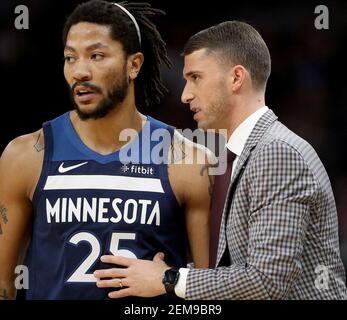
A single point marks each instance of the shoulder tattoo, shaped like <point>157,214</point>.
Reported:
<point>177,150</point>
<point>39,145</point>
<point>210,178</point>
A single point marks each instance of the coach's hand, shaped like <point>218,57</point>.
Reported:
<point>141,278</point>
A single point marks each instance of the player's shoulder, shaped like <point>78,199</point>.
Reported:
<point>23,148</point>
<point>21,162</point>
<point>185,151</point>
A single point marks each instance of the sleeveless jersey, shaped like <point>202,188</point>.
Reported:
<point>87,205</point>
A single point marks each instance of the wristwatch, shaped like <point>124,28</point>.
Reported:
<point>170,279</point>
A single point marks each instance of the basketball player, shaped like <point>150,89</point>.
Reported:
<point>67,184</point>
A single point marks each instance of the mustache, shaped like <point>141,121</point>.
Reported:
<point>86,84</point>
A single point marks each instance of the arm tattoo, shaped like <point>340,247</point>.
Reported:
<point>210,186</point>
<point>3,295</point>
<point>3,213</point>
<point>177,152</point>
<point>39,146</point>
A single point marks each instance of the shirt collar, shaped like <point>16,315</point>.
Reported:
<point>238,139</point>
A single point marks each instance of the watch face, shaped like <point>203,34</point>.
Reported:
<point>171,276</point>
<point>170,279</point>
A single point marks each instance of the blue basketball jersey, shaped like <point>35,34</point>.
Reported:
<point>87,205</point>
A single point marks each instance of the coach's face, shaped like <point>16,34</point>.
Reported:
<point>206,90</point>
<point>95,69</point>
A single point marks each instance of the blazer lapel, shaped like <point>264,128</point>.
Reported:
<point>258,131</point>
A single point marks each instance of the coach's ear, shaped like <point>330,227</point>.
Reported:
<point>236,77</point>
<point>135,62</point>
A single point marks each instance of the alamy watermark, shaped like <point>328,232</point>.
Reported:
<point>22,20</point>
<point>22,279</point>
<point>321,22</point>
<point>322,279</point>
<point>162,146</point>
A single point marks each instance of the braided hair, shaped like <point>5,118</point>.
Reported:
<point>149,87</point>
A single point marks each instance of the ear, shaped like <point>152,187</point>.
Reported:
<point>237,77</point>
<point>135,62</point>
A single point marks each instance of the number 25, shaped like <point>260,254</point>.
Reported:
<point>81,275</point>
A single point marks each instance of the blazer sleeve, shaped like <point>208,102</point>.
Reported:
<point>281,189</point>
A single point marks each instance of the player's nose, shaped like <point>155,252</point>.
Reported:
<point>82,72</point>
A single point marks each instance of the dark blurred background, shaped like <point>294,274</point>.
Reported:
<point>306,90</point>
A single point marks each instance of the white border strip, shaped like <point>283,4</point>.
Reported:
<point>103,182</point>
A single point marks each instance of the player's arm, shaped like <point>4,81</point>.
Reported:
<point>197,211</point>
<point>17,168</point>
<point>194,188</point>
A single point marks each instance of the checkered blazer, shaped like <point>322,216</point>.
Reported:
<point>280,231</point>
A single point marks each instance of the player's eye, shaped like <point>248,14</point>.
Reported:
<point>97,56</point>
<point>69,59</point>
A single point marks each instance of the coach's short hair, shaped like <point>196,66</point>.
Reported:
<point>235,42</point>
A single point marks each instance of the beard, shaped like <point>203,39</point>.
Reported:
<point>217,111</point>
<point>113,98</point>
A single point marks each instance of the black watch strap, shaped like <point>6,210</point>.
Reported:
<point>170,279</point>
